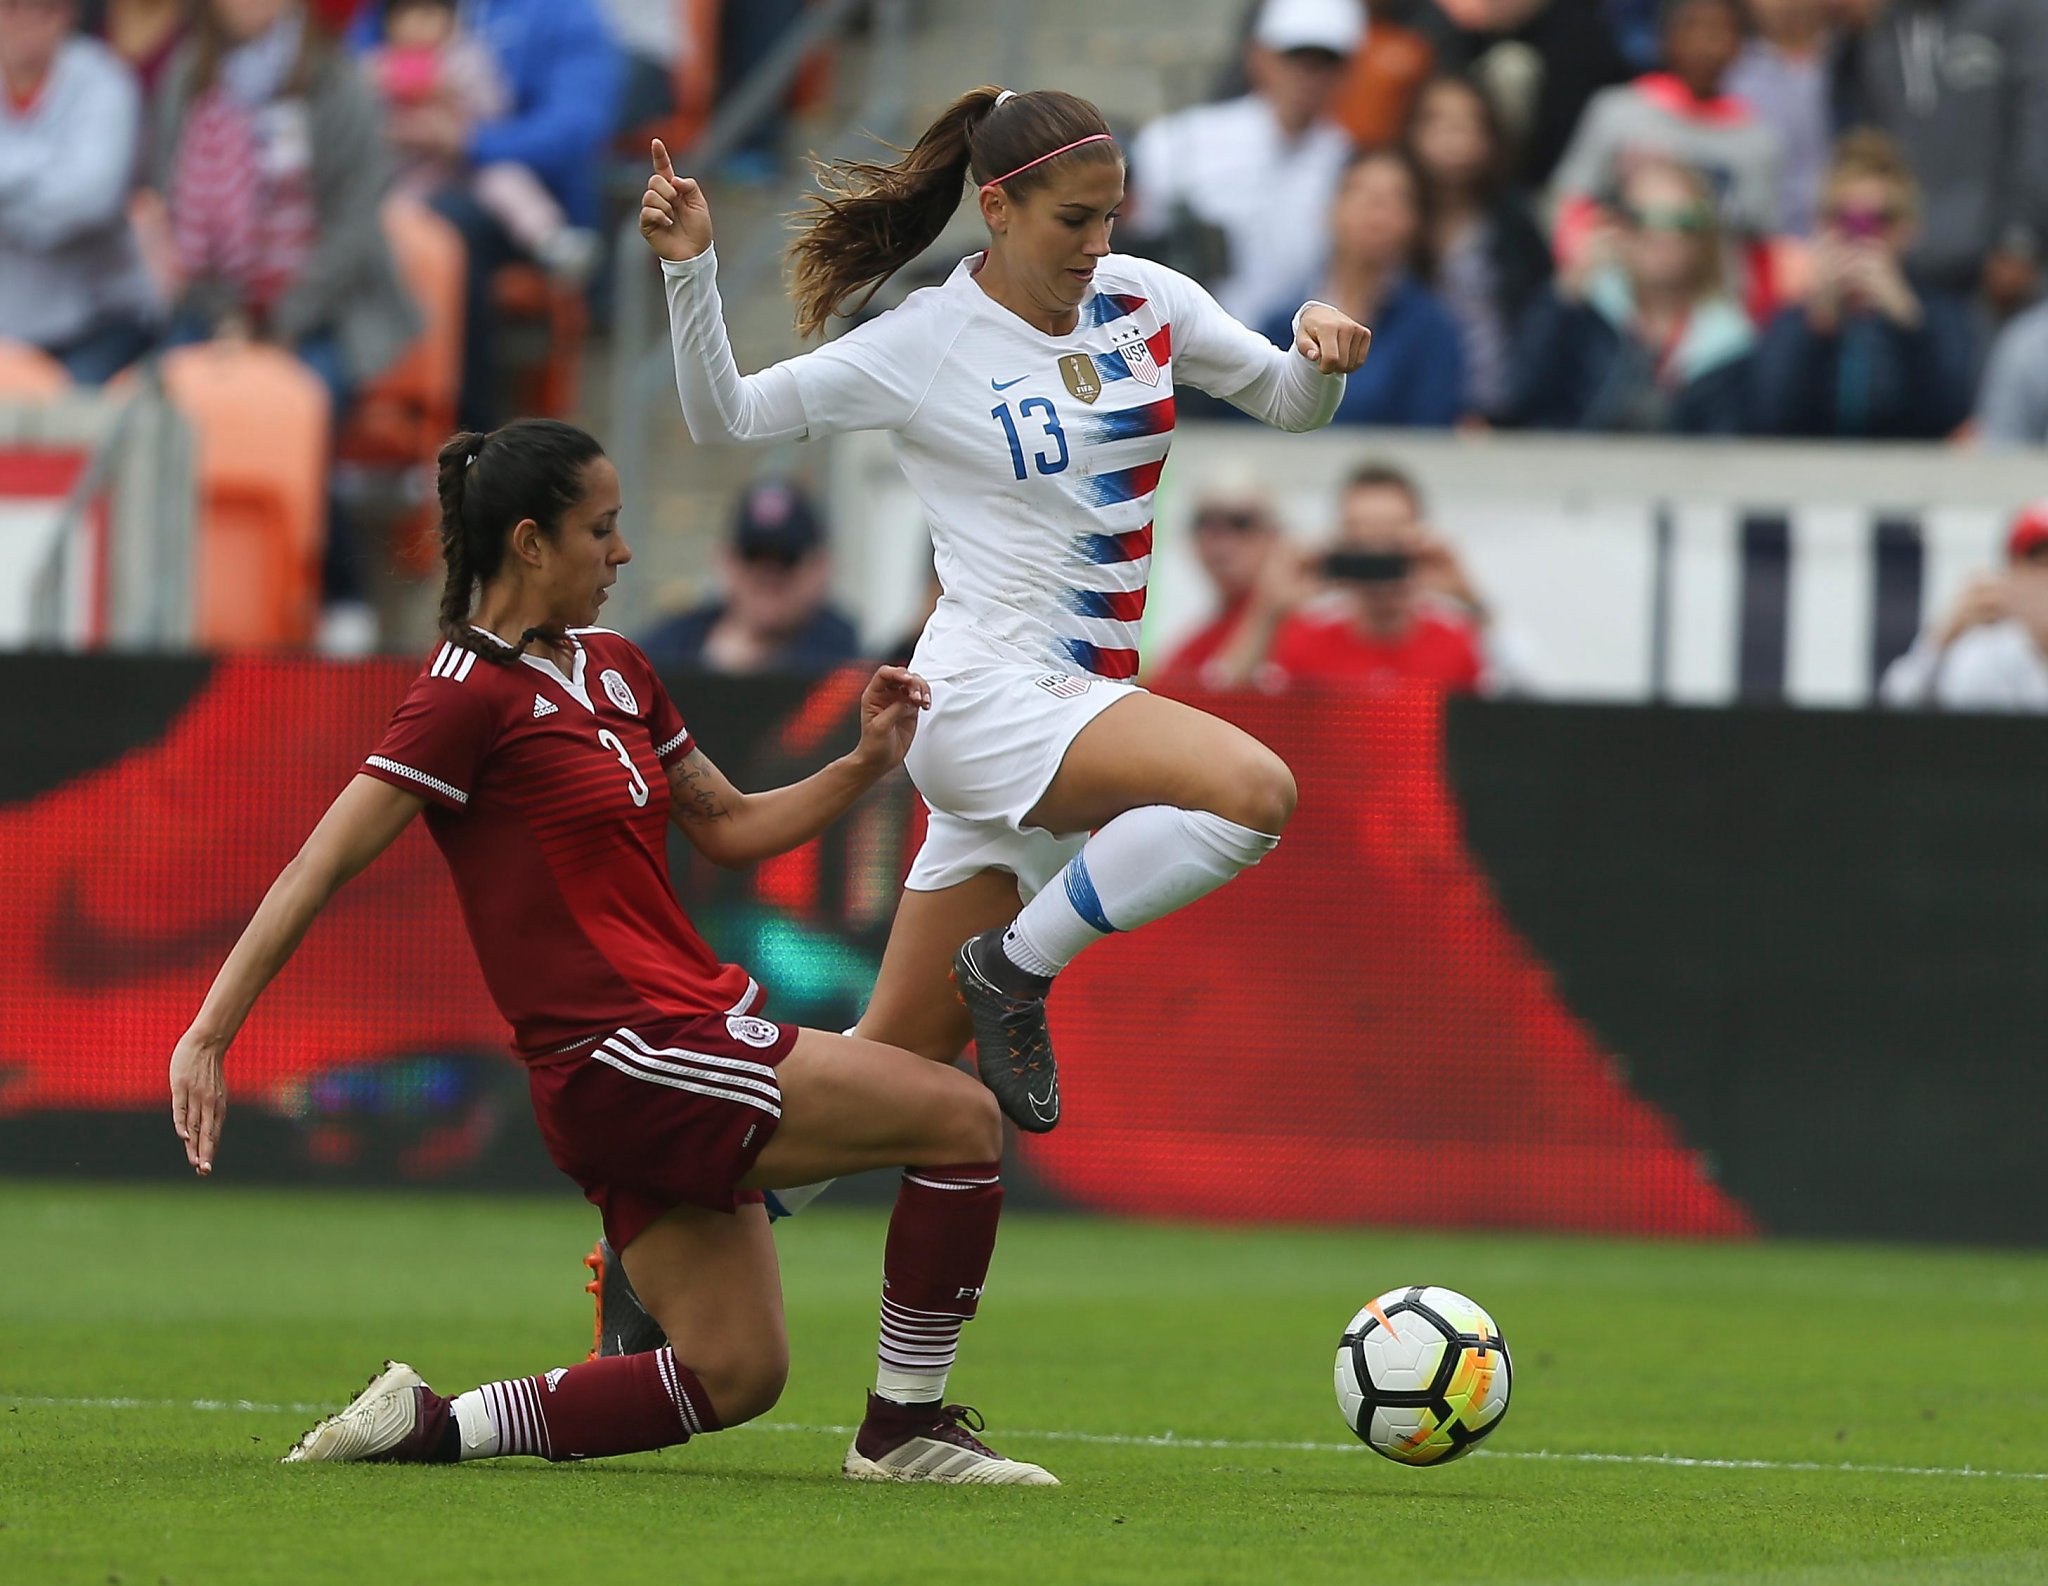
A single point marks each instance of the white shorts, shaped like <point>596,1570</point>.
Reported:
<point>983,757</point>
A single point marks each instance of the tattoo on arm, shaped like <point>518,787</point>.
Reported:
<point>693,784</point>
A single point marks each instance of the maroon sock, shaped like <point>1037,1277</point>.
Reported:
<point>623,1404</point>
<point>941,1237</point>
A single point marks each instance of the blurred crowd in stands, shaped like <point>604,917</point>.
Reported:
<point>1815,218</point>
<point>342,180</point>
<point>1801,218</point>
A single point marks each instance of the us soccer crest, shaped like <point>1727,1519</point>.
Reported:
<point>1130,341</point>
<point>1078,370</point>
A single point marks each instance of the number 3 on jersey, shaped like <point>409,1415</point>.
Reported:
<point>1048,463</point>
<point>611,741</point>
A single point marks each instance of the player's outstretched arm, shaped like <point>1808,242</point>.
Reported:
<point>358,826</point>
<point>720,405</point>
<point>729,827</point>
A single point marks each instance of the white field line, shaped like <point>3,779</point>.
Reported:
<point>1162,1440</point>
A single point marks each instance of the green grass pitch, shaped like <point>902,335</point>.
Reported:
<point>1844,1389</point>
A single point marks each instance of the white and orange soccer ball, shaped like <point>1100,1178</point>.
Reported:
<point>1423,1375</point>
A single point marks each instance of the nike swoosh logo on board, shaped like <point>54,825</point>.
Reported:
<point>1004,385</point>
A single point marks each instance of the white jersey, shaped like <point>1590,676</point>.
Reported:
<point>1036,456</point>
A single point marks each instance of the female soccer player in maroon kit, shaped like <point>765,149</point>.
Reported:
<point>549,760</point>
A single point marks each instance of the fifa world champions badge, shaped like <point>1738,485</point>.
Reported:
<point>1130,341</point>
<point>1077,369</point>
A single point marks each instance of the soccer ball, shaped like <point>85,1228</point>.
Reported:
<point>1422,1375</point>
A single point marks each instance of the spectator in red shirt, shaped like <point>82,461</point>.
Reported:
<point>1235,532</point>
<point>1388,603</point>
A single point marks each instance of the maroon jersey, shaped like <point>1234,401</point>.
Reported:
<point>547,793</point>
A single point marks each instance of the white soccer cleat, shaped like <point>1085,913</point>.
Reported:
<point>375,1424</point>
<point>938,1445</point>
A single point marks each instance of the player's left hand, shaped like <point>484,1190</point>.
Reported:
<point>1335,343</point>
<point>888,716</point>
<point>199,1099</point>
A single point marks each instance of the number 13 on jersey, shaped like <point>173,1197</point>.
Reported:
<point>1048,417</point>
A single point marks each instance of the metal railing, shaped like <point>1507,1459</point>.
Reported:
<point>140,457</point>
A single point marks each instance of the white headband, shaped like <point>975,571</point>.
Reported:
<point>1002,99</point>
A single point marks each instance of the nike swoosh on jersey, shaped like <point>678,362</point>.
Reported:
<point>1004,385</point>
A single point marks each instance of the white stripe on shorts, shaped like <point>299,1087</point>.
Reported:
<point>739,1065</point>
<point>608,1055</point>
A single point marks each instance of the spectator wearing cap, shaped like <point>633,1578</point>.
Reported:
<point>1258,171</point>
<point>1870,354</point>
<point>775,614</point>
<point>2012,407</point>
<point>71,277</point>
<point>1990,652</point>
<point>1234,532</point>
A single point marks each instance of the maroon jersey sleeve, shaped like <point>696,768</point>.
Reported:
<point>437,739</point>
<point>672,740</point>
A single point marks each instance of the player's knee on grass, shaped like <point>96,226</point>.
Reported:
<point>742,1380</point>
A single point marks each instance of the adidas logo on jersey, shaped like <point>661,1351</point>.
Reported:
<point>543,706</point>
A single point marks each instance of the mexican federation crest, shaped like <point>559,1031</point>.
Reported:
<point>1130,341</point>
<point>620,692</point>
<point>1078,370</point>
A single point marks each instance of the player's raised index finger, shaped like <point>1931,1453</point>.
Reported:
<point>663,165</point>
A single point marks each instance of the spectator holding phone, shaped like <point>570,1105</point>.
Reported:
<point>1990,653</point>
<point>1871,353</point>
<point>1389,603</point>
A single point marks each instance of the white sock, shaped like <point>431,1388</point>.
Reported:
<point>788,1202</point>
<point>476,1434</point>
<point>917,1353</point>
<point>1146,863</point>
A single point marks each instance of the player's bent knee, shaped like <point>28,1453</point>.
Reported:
<point>746,1385</point>
<point>1261,792</point>
<point>973,1130</point>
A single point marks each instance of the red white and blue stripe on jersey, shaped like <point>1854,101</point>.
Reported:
<point>1112,565</point>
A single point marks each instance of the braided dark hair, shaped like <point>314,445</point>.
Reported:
<point>530,468</point>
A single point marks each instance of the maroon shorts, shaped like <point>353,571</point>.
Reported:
<point>670,1113</point>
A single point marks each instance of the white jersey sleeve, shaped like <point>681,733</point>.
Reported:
<point>1215,353</point>
<point>872,378</point>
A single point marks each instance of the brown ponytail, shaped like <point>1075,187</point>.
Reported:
<point>868,220</point>
<point>530,468</point>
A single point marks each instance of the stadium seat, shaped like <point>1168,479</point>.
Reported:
<point>401,419</point>
<point>404,415</point>
<point>27,371</point>
<point>528,296</point>
<point>261,421</point>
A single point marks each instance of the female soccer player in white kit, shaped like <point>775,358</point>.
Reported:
<point>1032,399</point>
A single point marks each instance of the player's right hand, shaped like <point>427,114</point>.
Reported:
<point>199,1099</point>
<point>675,218</point>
